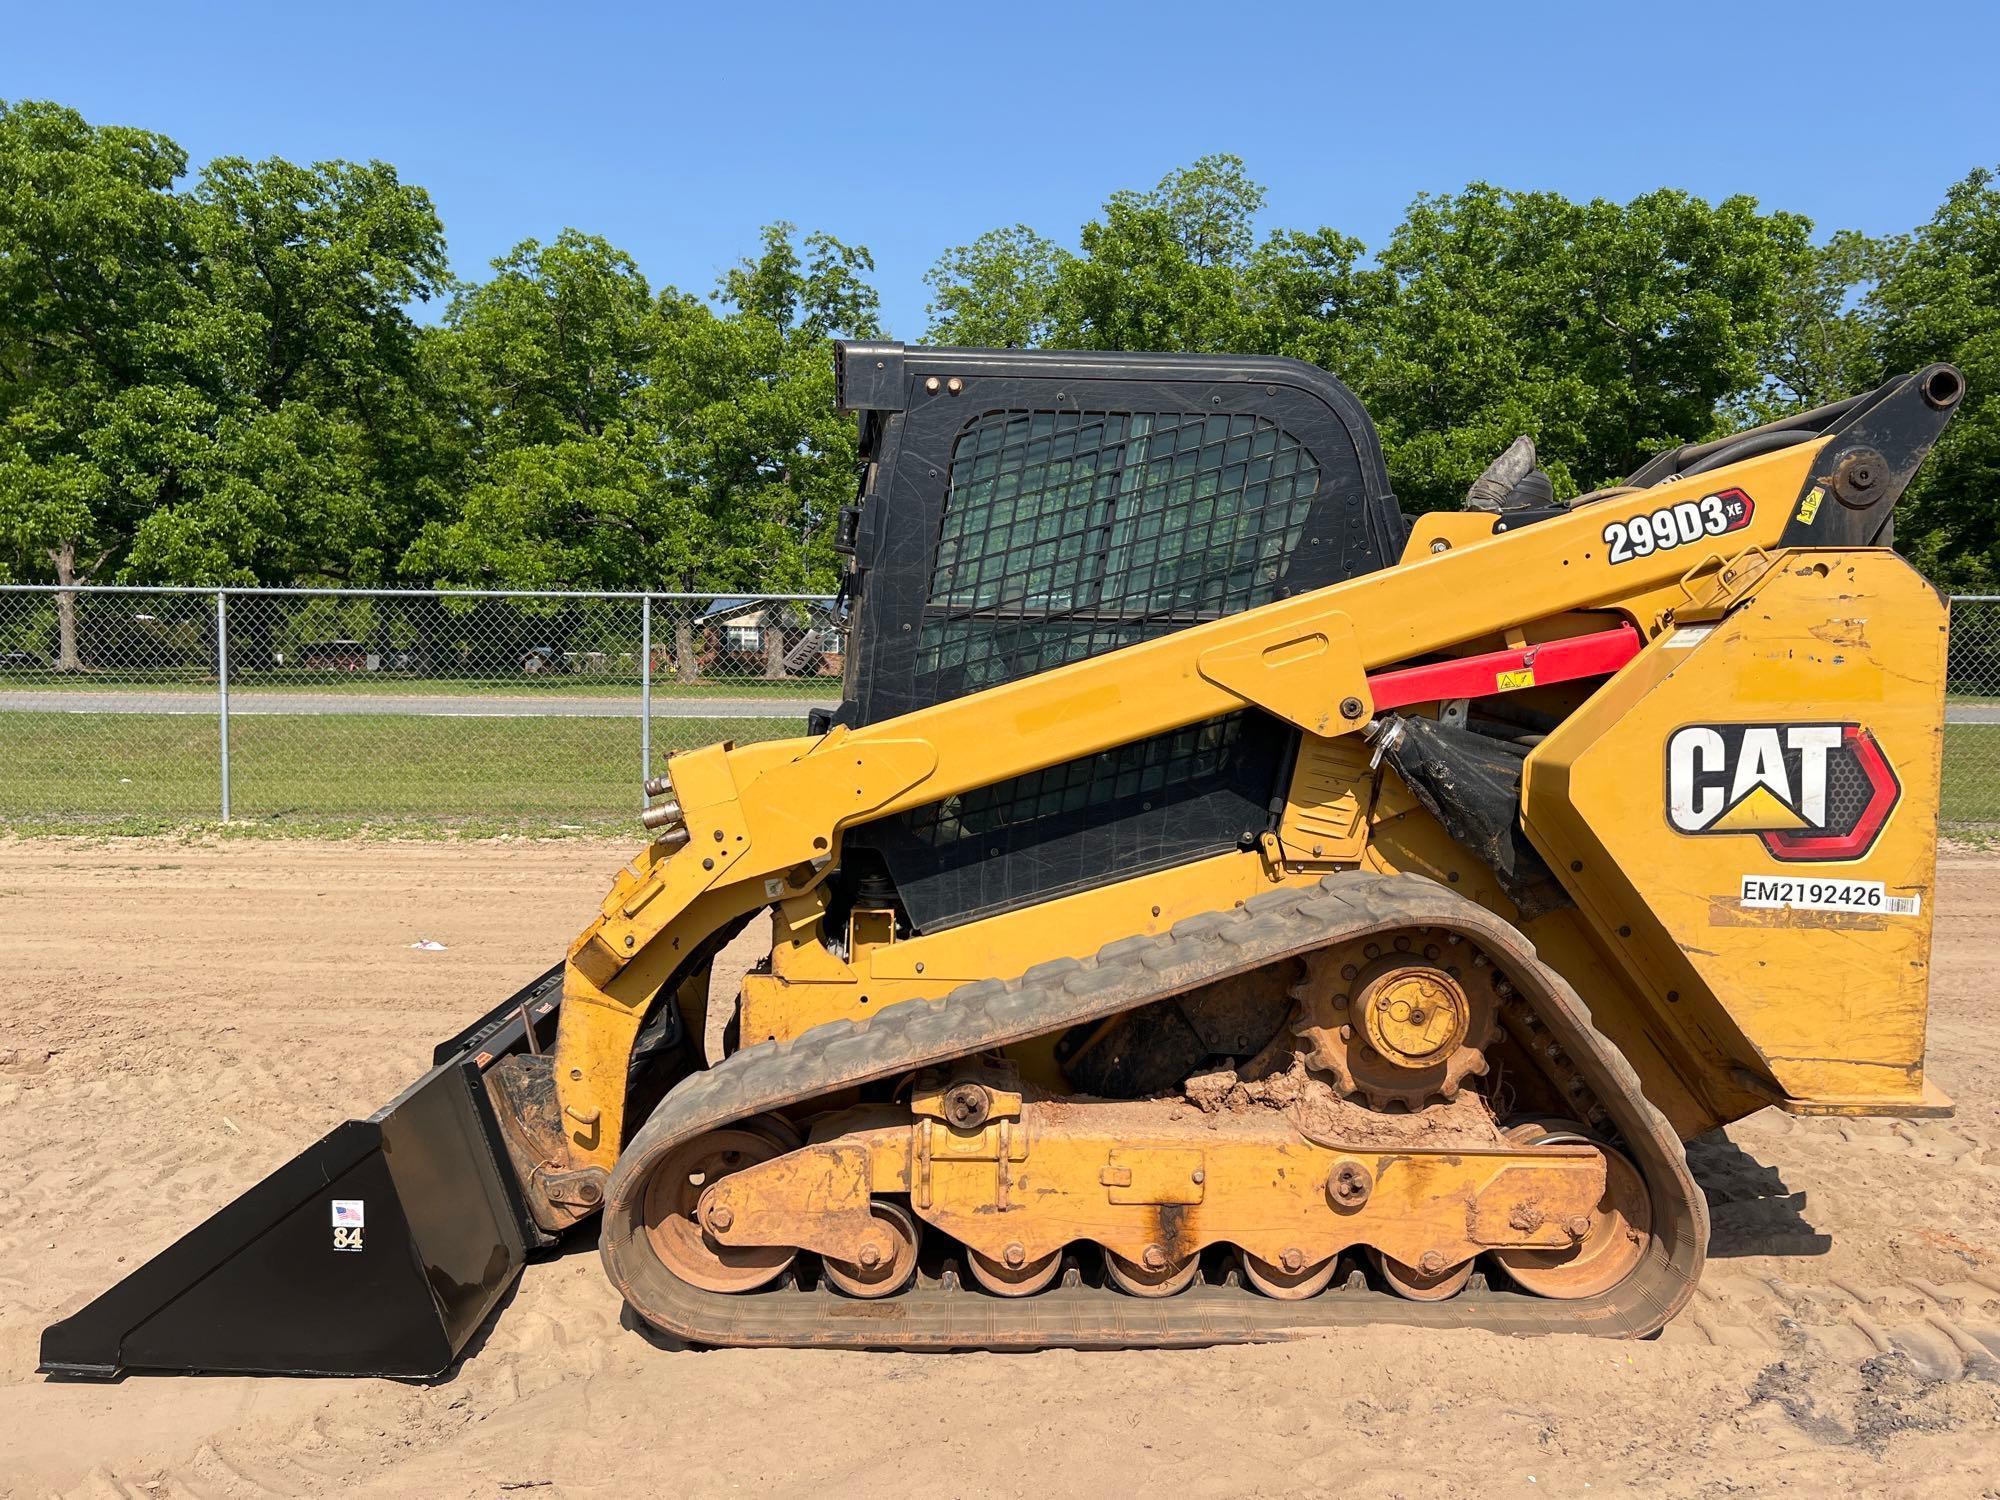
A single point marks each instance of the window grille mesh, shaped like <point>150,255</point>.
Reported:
<point>1066,534</point>
<point>1132,777</point>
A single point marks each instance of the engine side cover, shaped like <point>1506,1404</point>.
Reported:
<point>1747,815</point>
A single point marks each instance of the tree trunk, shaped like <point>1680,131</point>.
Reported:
<point>774,651</point>
<point>685,665</point>
<point>67,657</point>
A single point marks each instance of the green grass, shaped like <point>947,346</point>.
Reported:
<point>338,774</point>
<point>341,775</point>
<point>1971,776</point>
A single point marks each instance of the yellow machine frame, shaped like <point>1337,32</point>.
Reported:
<point>1711,1040</point>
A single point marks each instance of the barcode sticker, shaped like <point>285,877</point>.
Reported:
<point>1776,892</point>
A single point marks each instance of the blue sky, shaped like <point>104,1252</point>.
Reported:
<point>675,131</point>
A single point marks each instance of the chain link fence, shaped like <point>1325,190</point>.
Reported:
<point>128,709</point>
<point>1972,716</point>
<point>124,709</point>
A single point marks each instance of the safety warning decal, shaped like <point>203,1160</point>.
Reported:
<point>350,1216</point>
<point>1775,892</point>
<point>1808,791</point>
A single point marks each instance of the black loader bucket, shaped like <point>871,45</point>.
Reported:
<point>379,1250</point>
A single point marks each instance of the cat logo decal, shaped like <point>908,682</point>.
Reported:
<point>1808,791</point>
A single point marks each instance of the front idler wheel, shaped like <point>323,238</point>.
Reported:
<point>1614,1241</point>
<point>673,1225</point>
<point>781,1132</point>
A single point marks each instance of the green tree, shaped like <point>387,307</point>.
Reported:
<point>1938,297</point>
<point>1602,329</point>
<point>1605,331</point>
<point>627,440</point>
<point>547,360</point>
<point>1164,269</point>
<point>1826,345</point>
<point>215,385</point>
<point>221,381</point>
<point>97,276</point>
<point>326,447</point>
<point>998,292</point>
<point>820,294</point>
<point>1176,268</point>
<point>748,397</point>
<point>554,345</point>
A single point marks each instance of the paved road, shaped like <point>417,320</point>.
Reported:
<point>466,706</point>
<point>414,705</point>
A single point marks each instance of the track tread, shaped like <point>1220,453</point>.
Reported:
<point>1132,971</point>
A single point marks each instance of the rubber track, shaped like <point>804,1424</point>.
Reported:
<point>1052,996</point>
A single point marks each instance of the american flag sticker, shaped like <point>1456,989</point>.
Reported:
<point>349,1214</point>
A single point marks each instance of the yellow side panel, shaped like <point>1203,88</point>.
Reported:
<point>808,986</point>
<point>1326,813</point>
<point>1748,816</point>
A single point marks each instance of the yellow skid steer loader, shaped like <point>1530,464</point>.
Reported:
<point>1219,909</point>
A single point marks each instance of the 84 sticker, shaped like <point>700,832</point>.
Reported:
<point>350,1217</point>
<point>1673,526</point>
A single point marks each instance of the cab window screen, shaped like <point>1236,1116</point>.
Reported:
<point>1067,534</point>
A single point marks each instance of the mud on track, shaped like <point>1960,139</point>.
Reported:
<point>180,1018</point>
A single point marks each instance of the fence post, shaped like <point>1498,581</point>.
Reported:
<point>645,695</point>
<point>222,688</point>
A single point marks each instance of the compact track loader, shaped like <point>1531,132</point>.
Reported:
<point>1219,909</point>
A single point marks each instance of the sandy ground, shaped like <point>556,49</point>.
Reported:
<point>179,1019</point>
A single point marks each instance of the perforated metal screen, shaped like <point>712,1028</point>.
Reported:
<point>1065,534</point>
<point>1133,776</point>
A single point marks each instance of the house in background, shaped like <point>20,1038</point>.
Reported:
<point>754,637</point>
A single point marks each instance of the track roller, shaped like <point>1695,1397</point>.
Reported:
<point>1146,1281</point>
<point>1421,1286</point>
<point>890,1273</point>
<point>1004,1280</point>
<point>1288,1286</point>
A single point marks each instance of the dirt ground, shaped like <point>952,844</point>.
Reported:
<point>181,1018</point>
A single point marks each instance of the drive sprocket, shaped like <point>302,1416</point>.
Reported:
<point>1400,1022</point>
